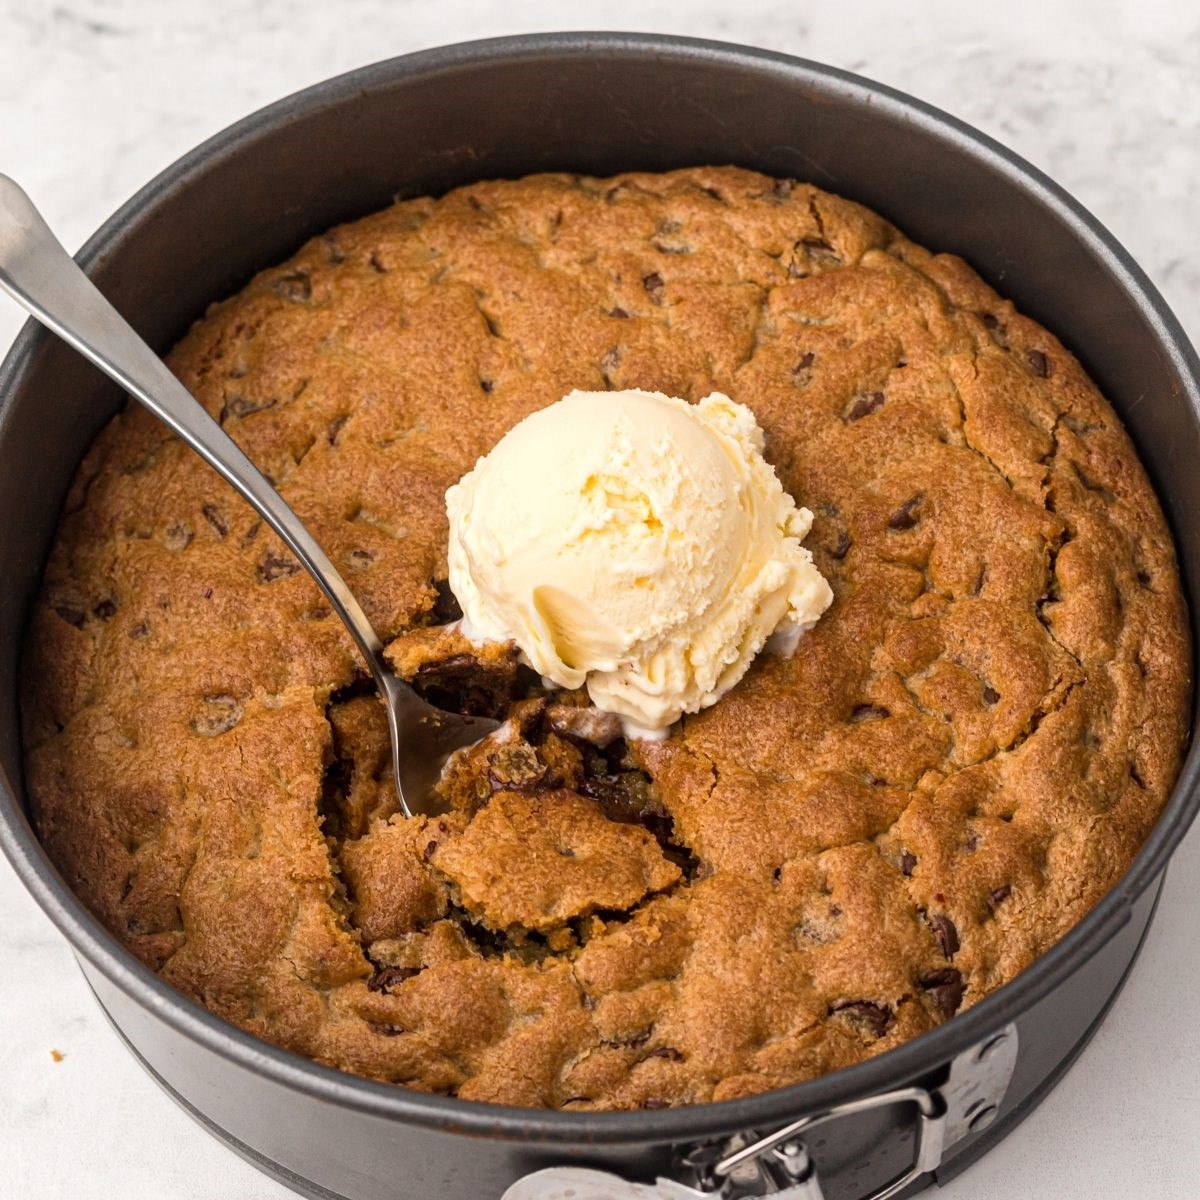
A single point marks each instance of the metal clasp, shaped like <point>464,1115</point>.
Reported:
<point>778,1164</point>
<point>785,1170</point>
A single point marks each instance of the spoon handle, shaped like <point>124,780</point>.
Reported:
<point>43,278</point>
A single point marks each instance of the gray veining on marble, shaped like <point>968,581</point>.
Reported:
<point>96,96</point>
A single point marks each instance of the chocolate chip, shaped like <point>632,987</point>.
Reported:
<point>140,630</point>
<point>618,312</point>
<point>454,665</point>
<point>243,406</point>
<point>990,695</point>
<point>996,328</point>
<point>220,715</point>
<point>360,560</point>
<point>1039,362</point>
<point>445,604</point>
<point>610,359</point>
<point>1143,578</point>
<point>820,251</point>
<point>864,405</point>
<point>461,683</point>
<point>213,516</point>
<point>275,567</point>
<point>251,533</point>
<point>429,850</point>
<point>667,1052</point>
<point>842,546</point>
<point>296,287</point>
<point>388,977</point>
<point>809,930</point>
<point>1000,895</point>
<point>906,516</point>
<point>486,385</point>
<point>72,616</point>
<point>333,251</point>
<point>802,371</point>
<point>655,288</point>
<point>105,610</point>
<point>945,988</point>
<point>868,712</point>
<point>588,1001</point>
<point>178,537</point>
<point>946,933</point>
<point>908,862</point>
<point>628,796</point>
<point>873,1018</point>
<point>634,1040</point>
<point>335,427</point>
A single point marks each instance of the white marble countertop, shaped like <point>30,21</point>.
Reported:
<point>96,96</point>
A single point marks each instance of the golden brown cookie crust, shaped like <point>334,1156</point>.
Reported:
<point>960,759</point>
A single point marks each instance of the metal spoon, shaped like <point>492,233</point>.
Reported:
<point>43,278</point>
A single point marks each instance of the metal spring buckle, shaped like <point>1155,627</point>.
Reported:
<point>778,1164</point>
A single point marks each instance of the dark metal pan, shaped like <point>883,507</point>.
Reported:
<point>601,103</point>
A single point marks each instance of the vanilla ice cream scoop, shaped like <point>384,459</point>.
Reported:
<point>636,543</point>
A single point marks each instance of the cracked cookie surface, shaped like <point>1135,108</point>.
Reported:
<point>855,843</point>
